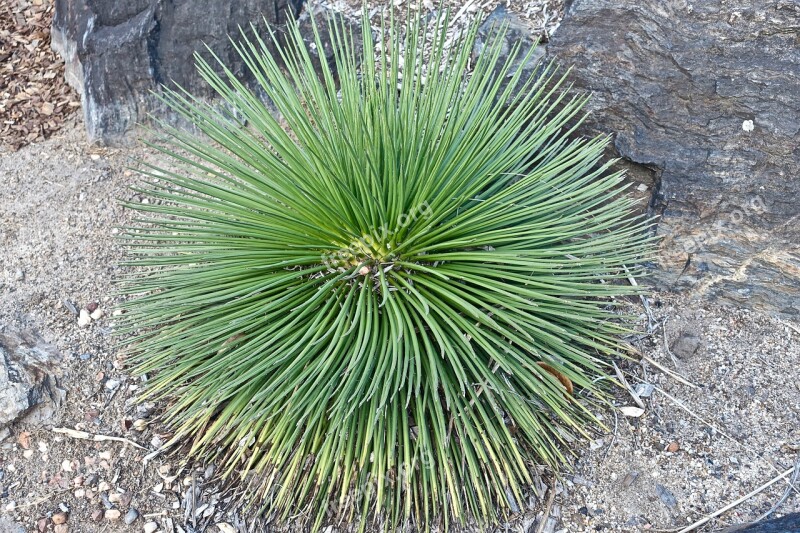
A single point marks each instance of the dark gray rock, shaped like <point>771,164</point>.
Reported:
<point>686,344</point>
<point>517,32</point>
<point>786,524</point>
<point>666,497</point>
<point>704,97</point>
<point>28,375</point>
<point>116,53</point>
<point>131,516</point>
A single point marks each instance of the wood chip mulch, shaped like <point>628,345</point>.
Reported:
<point>35,100</point>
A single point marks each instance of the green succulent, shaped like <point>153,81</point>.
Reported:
<point>374,304</point>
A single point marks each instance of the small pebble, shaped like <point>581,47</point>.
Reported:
<point>61,528</point>
<point>632,411</point>
<point>91,307</point>
<point>71,307</point>
<point>64,508</point>
<point>41,524</point>
<point>97,515</point>
<point>27,454</point>
<point>106,502</point>
<point>85,356</point>
<point>628,480</point>
<point>59,518</point>
<point>150,527</point>
<point>673,447</point>
<point>644,390</point>
<point>140,424</point>
<point>97,314</point>
<point>131,516</point>
<point>105,454</point>
<point>103,486</point>
<point>666,496</point>
<point>79,493</point>
<point>112,515</point>
<point>19,275</point>
<point>84,319</point>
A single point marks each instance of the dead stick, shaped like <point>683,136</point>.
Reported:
<point>85,435</point>
<point>547,508</point>
<point>624,382</point>
<point>730,506</point>
<point>669,372</point>
<point>695,415</point>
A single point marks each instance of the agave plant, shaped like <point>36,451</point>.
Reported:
<point>375,303</point>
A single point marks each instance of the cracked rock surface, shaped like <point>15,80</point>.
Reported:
<point>27,374</point>
<point>704,96</point>
<point>116,53</point>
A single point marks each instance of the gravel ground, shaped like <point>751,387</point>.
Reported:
<point>695,448</point>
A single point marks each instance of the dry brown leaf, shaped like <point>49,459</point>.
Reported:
<point>558,375</point>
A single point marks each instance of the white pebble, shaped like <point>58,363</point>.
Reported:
<point>97,314</point>
<point>634,412</point>
<point>150,527</point>
<point>84,319</point>
<point>748,125</point>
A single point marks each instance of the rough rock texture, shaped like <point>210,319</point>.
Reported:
<point>786,524</point>
<point>705,96</point>
<point>116,53</point>
<point>516,32</point>
<point>27,374</point>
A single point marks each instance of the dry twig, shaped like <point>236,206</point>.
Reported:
<point>84,435</point>
<point>733,504</point>
<point>547,507</point>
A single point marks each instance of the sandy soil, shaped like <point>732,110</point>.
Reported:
<point>696,447</point>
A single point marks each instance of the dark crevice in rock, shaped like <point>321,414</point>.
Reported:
<point>152,53</point>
